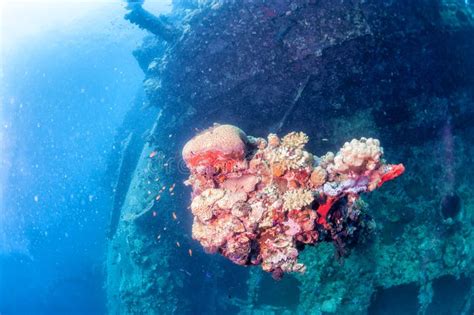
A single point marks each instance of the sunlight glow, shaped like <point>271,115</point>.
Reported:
<point>25,19</point>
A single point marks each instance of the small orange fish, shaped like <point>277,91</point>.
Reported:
<point>158,197</point>
<point>158,237</point>
<point>190,252</point>
<point>153,154</point>
<point>174,216</point>
<point>154,213</point>
<point>172,187</point>
<point>178,244</point>
<point>172,194</point>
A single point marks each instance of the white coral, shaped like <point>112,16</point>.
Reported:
<point>357,156</point>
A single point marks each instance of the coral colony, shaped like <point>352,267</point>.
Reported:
<point>259,202</point>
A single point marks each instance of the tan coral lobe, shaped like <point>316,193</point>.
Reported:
<point>318,176</point>
<point>260,202</point>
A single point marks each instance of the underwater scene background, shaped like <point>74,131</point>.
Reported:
<point>98,100</point>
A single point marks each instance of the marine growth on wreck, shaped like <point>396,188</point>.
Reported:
<point>260,201</point>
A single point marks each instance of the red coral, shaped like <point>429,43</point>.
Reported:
<point>323,210</point>
<point>385,173</point>
<point>392,171</point>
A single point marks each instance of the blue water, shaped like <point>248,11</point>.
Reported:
<point>64,93</point>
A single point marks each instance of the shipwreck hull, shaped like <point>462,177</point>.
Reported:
<point>400,71</point>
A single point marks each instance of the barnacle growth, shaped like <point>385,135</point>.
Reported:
<point>260,202</point>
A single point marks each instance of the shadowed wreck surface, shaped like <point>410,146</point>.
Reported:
<point>398,71</point>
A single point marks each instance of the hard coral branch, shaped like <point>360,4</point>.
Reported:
<point>260,202</point>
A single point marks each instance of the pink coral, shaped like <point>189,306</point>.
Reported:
<point>260,204</point>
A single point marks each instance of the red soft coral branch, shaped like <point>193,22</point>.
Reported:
<point>393,172</point>
<point>324,209</point>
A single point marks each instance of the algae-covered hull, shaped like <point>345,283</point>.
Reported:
<point>402,72</point>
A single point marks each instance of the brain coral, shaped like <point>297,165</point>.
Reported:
<point>220,142</point>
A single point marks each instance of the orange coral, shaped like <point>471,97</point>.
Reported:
<point>278,170</point>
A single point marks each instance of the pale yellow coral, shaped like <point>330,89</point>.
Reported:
<point>357,156</point>
<point>287,153</point>
<point>288,159</point>
<point>297,198</point>
<point>295,140</point>
<point>299,159</point>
